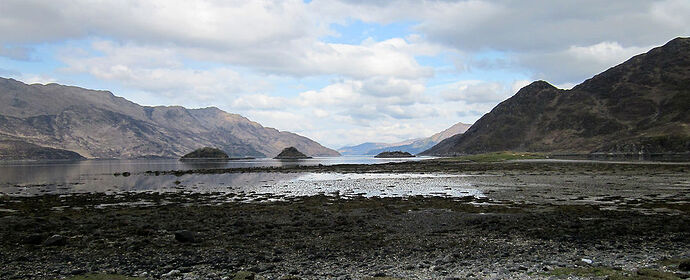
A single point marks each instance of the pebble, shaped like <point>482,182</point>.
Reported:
<point>172,273</point>
<point>55,240</point>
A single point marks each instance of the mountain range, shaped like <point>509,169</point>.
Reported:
<point>98,124</point>
<point>412,146</point>
<point>639,106</point>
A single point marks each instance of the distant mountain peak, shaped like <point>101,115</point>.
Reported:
<point>412,146</point>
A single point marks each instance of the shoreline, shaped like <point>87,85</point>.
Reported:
<point>537,221</point>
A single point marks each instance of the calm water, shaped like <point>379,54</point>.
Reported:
<point>37,178</point>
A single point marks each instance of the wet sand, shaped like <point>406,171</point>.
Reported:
<point>535,220</point>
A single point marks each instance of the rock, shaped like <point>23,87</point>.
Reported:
<point>262,267</point>
<point>291,153</point>
<point>206,153</point>
<point>33,239</point>
<point>185,236</point>
<point>246,275</point>
<point>172,273</point>
<point>55,240</point>
<point>684,265</point>
<point>78,271</point>
<point>394,154</point>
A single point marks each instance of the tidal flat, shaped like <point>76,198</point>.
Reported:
<point>511,220</point>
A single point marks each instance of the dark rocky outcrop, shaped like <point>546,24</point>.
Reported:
<point>98,124</point>
<point>639,106</point>
<point>19,150</point>
<point>206,153</point>
<point>291,153</point>
<point>394,154</point>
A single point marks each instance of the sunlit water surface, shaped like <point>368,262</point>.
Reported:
<point>97,176</point>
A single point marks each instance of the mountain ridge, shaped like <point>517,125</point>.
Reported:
<point>98,124</point>
<point>638,106</point>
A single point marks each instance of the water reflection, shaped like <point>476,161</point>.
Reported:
<point>37,178</point>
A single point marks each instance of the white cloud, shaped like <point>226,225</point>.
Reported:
<point>546,39</point>
<point>260,102</point>
<point>157,70</point>
<point>211,24</point>
<point>576,63</point>
<point>479,92</point>
<point>38,79</point>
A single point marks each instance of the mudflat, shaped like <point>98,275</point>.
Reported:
<point>535,220</point>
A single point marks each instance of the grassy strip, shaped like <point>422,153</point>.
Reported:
<point>103,277</point>
<point>498,156</point>
<point>612,274</point>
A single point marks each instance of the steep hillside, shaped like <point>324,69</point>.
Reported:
<point>413,146</point>
<point>18,150</point>
<point>97,124</point>
<point>639,106</point>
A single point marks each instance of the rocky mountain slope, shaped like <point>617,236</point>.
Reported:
<point>18,150</point>
<point>639,106</point>
<point>413,146</point>
<point>97,124</point>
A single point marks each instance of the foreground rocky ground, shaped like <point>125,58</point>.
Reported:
<point>538,220</point>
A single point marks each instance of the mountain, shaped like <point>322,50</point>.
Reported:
<point>639,106</point>
<point>98,124</point>
<point>413,146</point>
<point>17,150</point>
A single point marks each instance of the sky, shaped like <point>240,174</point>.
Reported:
<point>339,72</point>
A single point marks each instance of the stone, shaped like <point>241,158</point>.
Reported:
<point>185,236</point>
<point>684,265</point>
<point>172,273</point>
<point>56,240</point>
<point>33,239</point>
<point>247,275</point>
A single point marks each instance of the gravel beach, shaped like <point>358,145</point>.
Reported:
<point>536,220</point>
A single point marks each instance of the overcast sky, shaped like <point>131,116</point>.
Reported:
<point>339,72</point>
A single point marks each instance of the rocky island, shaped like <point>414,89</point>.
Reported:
<point>206,153</point>
<point>394,154</point>
<point>291,153</point>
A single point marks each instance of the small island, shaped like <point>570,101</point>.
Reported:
<point>394,154</point>
<point>206,153</point>
<point>291,153</point>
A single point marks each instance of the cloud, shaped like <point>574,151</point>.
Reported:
<point>211,24</point>
<point>260,102</point>
<point>474,92</point>
<point>557,41</point>
<point>577,63</point>
<point>479,92</point>
<point>162,71</point>
<point>15,52</point>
